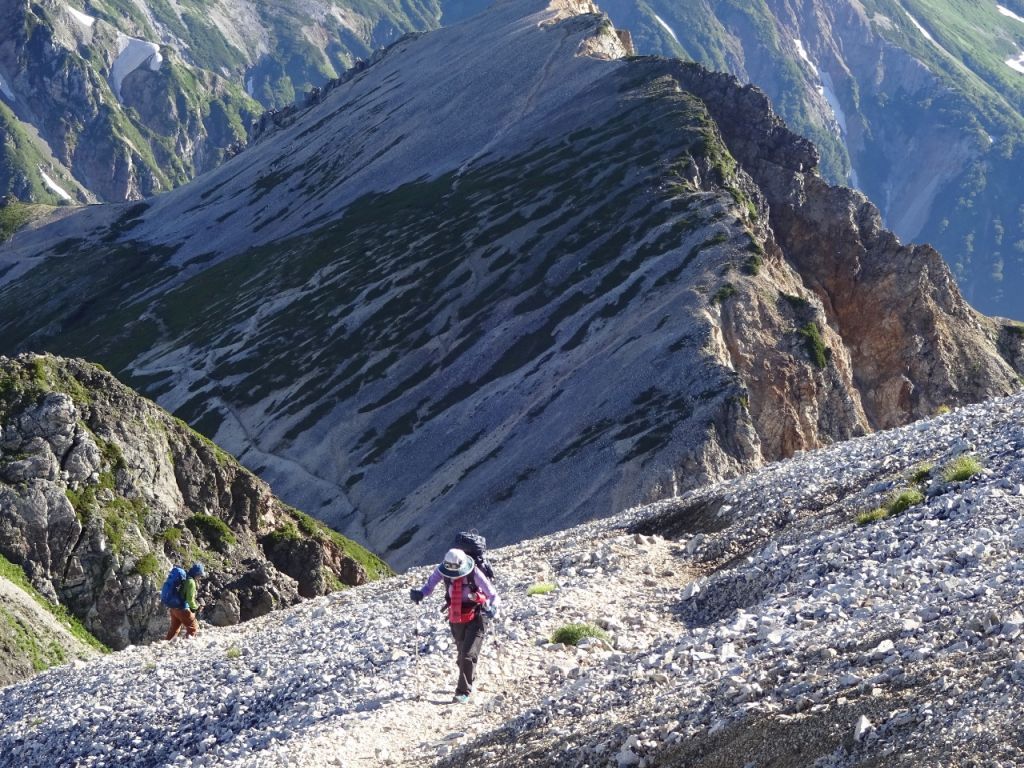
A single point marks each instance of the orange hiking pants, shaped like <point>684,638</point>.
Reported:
<point>182,617</point>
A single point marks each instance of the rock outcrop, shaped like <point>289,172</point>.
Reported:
<point>914,343</point>
<point>101,491</point>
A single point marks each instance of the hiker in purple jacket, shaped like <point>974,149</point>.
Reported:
<point>472,604</point>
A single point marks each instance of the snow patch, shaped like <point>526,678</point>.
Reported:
<point>133,53</point>
<point>666,27</point>
<point>82,18</point>
<point>54,186</point>
<point>926,33</point>
<point>920,28</point>
<point>1017,63</point>
<point>829,92</point>
<point>1008,12</point>
<point>248,85</point>
<point>803,54</point>
<point>5,89</point>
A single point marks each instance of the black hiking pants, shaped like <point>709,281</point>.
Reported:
<point>469,637</point>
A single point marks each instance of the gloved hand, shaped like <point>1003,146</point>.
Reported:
<point>415,595</point>
<point>489,610</point>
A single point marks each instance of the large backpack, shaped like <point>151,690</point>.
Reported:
<point>170,592</point>
<point>475,545</point>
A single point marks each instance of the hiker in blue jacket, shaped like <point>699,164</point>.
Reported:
<point>185,616</point>
<point>472,604</point>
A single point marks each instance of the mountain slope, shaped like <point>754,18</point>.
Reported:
<point>769,626</point>
<point>34,635</point>
<point>919,104</point>
<point>101,491</point>
<point>618,279</point>
<point>118,100</point>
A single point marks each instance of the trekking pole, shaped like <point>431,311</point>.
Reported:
<point>416,658</point>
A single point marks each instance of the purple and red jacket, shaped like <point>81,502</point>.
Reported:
<point>484,593</point>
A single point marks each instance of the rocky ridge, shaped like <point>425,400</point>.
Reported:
<point>750,621</point>
<point>520,320</point>
<point>101,491</point>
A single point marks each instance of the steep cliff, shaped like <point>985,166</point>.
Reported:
<point>521,288</point>
<point>101,491</point>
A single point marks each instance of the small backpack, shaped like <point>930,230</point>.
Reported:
<point>475,545</point>
<point>170,592</point>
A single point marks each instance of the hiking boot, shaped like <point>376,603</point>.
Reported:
<point>461,698</point>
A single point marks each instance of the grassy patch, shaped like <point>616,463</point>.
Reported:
<point>288,532</point>
<point>897,502</point>
<point>541,588</point>
<point>148,565</point>
<point>572,634</point>
<point>872,516</point>
<point>921,472</point>
<point>233,652</point>
<point>42,655</point>
<point>726,291</point>
<point>901,501</point>
<point>172,536</point>
<point>214,530</point>
<point>961,468</point>
<point>375,567</point>
<point>816,348</point>
<point>13,217</point>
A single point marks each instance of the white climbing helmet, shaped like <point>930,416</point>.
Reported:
<point>456,564</point>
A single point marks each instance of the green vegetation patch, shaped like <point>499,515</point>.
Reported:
<point>872,516</point>
<point>816,349</point>
<point>43,655</point>
<point>961,468</point>
<point>921,472</point>
<point>374,566</point>
<point>897,502</point>
<point>214,530</point>
<point>148,566</point>
<point>901,501</point>
<point>725,292</point>
<point>572,634</point>
<point>541,588</point>
<point>13,217</point>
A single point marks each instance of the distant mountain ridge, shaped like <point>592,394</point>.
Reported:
<point>117,100</point>
<point>507,277</point>
<point>919,104</point>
